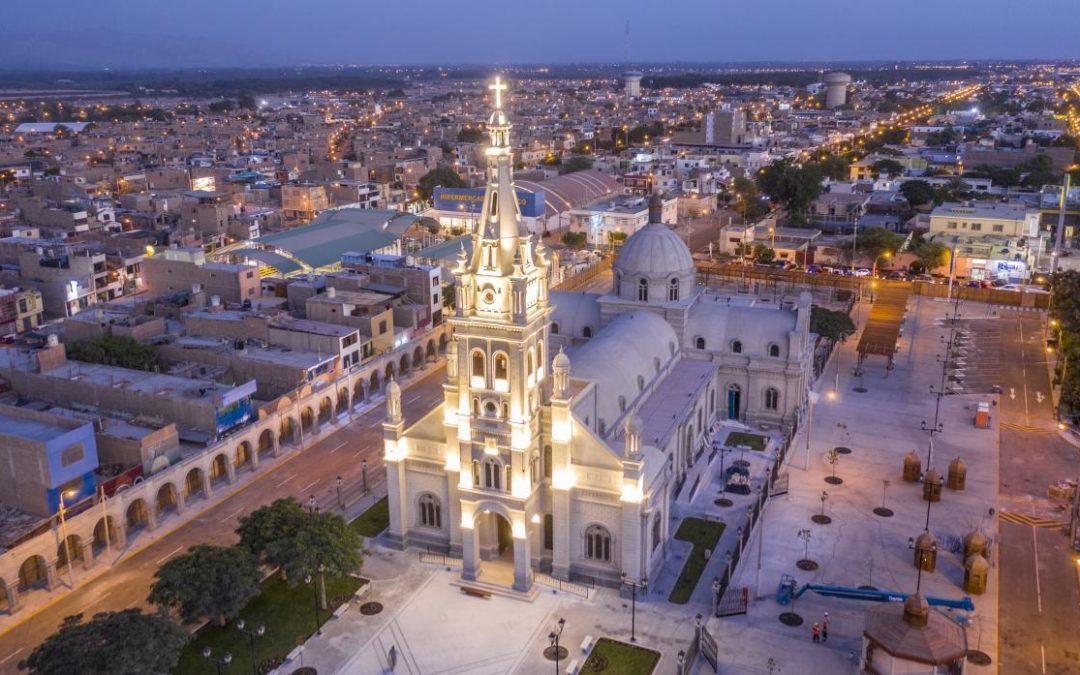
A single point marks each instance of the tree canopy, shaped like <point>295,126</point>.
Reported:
<point>917,192</point>
<point>443,176</point>
<point>207,582</point>
<point>264,527</point>
<point>115,350</point>
<point>930,255</point>
<point>762,254</point>
<point>324,542</point>
<point>470,135</point>
<point>576,163</point>
<point>890,167</point>
<point>835,167</point>
<point>830,324</point>
<point>576,240</point>
<point>792,185</point>
<point>877,241</point>
<point>111,643</point>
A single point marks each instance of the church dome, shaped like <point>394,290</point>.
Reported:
<point>654,250</point>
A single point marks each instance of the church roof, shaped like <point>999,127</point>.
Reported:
<point>719,323</point>
<point>575,310</point>
<point>636,344</point>
<point>654,250</point>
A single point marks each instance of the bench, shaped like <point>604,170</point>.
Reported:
<point>475,592</point>
<point>586,644</point>
<point>572,668</point>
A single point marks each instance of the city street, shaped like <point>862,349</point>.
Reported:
<point>1039,595</point>
<point>300,474</point>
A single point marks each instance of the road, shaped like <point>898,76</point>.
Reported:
<point>1039,600</point>
<point>311,472</point>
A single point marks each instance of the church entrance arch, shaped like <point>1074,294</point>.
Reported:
<point>494,551</point>
<point>734,401</point>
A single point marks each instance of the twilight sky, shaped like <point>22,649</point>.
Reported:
<point>369,32</point>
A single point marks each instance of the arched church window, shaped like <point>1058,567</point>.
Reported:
<point>476,473</point>
<point>476,406</point>
<point>534,468</point>
<point>736,347</point>
<point>603,427</point>
<point>774,351</point>
<point>547,461</point>
<point>656,527</point>
<point>586,331</point>
<point>699,343</point>
<point>598,543</point>
<point>430,511</point>
<point>622,403</point>
<point>529,362</point>
<point>673,290</point>
<point>494,203</point>
<point>643,290</point>
<point>501,371</point>
<point>492,474</point>
<point>479,370</point>
<point>772,399</point>
<point>640,382</point>
<point>554,329</point>
<point>509,477</point>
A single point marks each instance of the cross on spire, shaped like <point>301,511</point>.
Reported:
<point>498,87</point>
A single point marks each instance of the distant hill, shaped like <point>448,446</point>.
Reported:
<point>94,49</point>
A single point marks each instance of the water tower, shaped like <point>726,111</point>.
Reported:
<point>633,83</point>
<point>836,85</point>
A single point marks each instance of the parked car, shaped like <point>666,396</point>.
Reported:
<point>924,277</point>
<point>862,272</point>
<point>813,269</point>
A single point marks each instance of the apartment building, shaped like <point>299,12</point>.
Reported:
<point>174,270</point>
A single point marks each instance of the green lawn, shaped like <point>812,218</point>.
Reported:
<point>703,534</point>
<point>287,613</point>
<point>372,522</point>
<point>752,441</point>
<point>620,658</point>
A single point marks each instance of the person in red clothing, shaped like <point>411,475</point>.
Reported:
<point>815,632</point>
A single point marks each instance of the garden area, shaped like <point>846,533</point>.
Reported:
<point>703,534</point>
<point>619,658</point>
<point>288,615</point>
<point>372,522</point>
<point>741,439</point>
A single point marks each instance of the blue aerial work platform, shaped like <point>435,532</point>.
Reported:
<point>787,592</point>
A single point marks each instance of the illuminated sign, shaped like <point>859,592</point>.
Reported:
<point>471,201</point>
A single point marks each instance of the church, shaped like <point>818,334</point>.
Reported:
<point>569,420</point>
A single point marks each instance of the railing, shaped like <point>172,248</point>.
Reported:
<point>582,589</point>
<point>434,558</point>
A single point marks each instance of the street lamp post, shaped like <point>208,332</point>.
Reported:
<point>252,633</point>
<point>553,638</point>
<point>634,585</point>
<point>64,534</point>
<point>225,659</point>
<point>309,579</point>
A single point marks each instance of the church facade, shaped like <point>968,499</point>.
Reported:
<point>569,420</point>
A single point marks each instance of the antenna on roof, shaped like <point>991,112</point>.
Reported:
<point>626,44</point>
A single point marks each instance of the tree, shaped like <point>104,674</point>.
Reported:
<point>917,192</point>
<point>834,167</point>
<point>763,255</point>
<point>470,135</point>
<point>324,544</point>
<point>616,238</point>
<point>444,176</point>
<point>207,582</point>
<point>890,167</point>
<point>112,643</point>
<point>792,185</point>
<point>116,350</point>
<point>830,324</point>
<point>930,255</point>
<point>221,107</point>
<point>874,242</point>
<point>748,199</point>
<point>576,163</point>
<point>946,136</point>
<point>575,240</point>
<point>264,527</point>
